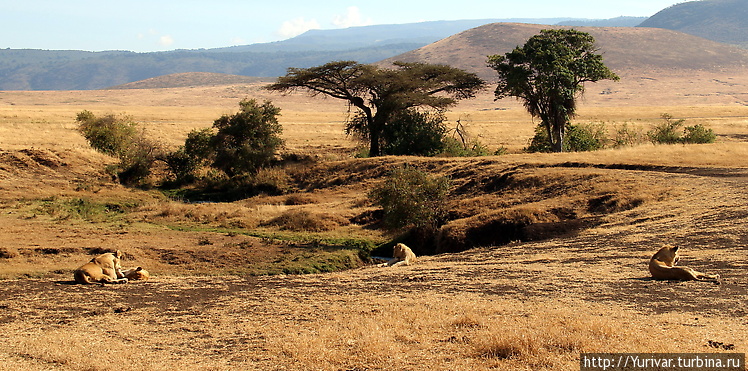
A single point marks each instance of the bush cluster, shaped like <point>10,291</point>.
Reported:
<point>594,136</point>
<point>237,145</point>
<point>579,138</point>
<point>672,131</point>
<point>411,198</point>
<point>419,133</point>
<point>122,138</point>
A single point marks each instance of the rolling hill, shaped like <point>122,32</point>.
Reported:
<point>623,48</point>
<point>720,20</point>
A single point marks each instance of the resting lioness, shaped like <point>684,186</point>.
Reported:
<point>104,268</point>
<point>136,274</point>
<point>662,266</point>
<point>402,255</point>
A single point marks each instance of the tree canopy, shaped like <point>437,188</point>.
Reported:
<point>382,94</point>
<point>548,73</point>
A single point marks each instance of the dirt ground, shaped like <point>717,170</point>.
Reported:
<point>440,313</point>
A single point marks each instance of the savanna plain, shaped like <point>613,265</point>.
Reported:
<point>234,287</point>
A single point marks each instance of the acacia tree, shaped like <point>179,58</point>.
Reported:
<point>382,94</point>
<point>547,74</point>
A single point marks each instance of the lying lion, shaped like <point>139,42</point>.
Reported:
<point>136,274</point>
<point>662,266</point>
<point>402,255</point>
<point>104,268</point>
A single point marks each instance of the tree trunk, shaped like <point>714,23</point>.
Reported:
<point>557,141</point>
<point>374,145</point>
<point>557,136</point>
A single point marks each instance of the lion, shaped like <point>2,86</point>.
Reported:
<point>104,268</point>
<point>402,255</point>
<point>662,266</point>
<point>136,274</point>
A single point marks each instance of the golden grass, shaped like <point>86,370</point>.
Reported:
<point>314,125</point>
<point>264,330</point>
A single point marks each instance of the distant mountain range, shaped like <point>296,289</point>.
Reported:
<point>624,47</point>
<point>24,69</point>
<point>719,20</point>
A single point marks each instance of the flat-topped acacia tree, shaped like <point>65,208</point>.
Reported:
<point>548,73</point>
<point>380,94</point>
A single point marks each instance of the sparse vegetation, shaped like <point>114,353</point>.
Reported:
<point>461,143</point>
<point>61,208</point>
<point>594,136</point>
<point>305,221</point>
<point>672,131</point>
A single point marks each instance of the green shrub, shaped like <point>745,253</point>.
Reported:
<point>199,144</point>
<point>411,198</point>
<point>578,138</point>
<point>627,135</point>
<point>409,132</point>
<point>453,147</point>
<point>239,146</point>
<point>668,131</point>
<point>246,141</point>
<point>182,166</point>
<point>414,133</point>
<point>698,134</point>
<point>586,137</point>
<point>120,137</point>
<point>540,141</point>
<point>110,134</point>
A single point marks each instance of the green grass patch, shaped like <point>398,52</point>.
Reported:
<point>84,208</point>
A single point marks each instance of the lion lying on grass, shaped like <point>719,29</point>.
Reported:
<point>136,274</point>
<point>104,268</point>
<point>402,255</point>
<point>662,266</point>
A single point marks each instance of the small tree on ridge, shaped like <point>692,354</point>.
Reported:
<point>547,74</point>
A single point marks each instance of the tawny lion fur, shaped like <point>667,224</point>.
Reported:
<point>136,274</point>
<point>104,268</point>
<point>402,255</point>
<point>662,266</point>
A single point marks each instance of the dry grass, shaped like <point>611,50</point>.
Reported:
<point>525,305</point>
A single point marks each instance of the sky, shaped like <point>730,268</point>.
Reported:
<point>160,25</point>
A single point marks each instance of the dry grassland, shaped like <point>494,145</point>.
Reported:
<point>578,283</point>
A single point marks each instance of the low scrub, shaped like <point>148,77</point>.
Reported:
<point>579,138</point>
<point>672,131</point>
<point>305,221</point>
<point>84,208</point>
<point>411,198</point>
<point>596,136</point>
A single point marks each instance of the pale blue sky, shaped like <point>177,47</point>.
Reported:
<point>154,25</point>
